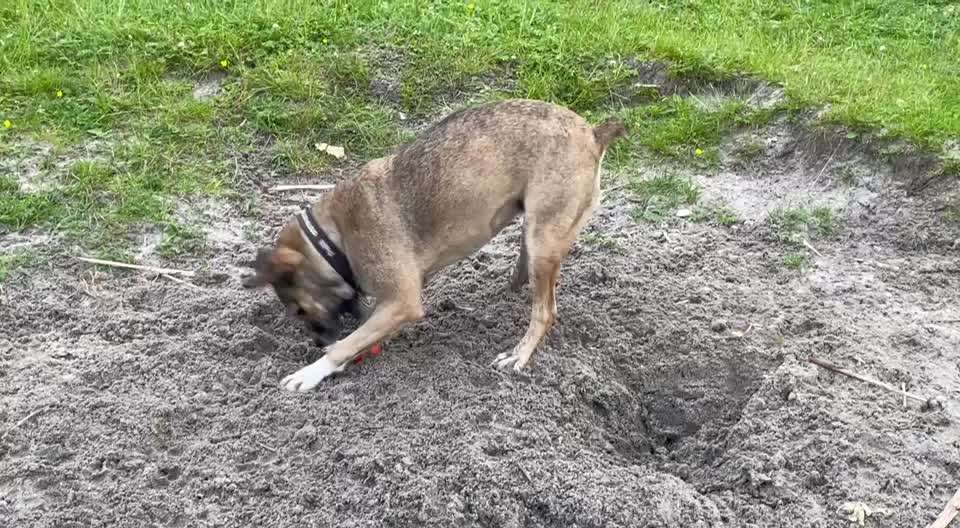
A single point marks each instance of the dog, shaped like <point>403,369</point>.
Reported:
<point>388,230</point>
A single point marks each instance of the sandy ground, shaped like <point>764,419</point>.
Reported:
<point>674,391</point>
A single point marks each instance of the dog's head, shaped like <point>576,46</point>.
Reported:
<point>314,293</point>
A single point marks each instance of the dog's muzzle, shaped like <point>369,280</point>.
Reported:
<point>327,332</point>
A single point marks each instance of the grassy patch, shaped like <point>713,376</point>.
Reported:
<point>718,215</point>
<point>748,150</point>
<point>600,241</point>
<point>951,211</point>
<point>797,261</point>
<point>179,240</point>
<point>657,198</point>
<point>793,226</point>
<point>10,263</point>
<point>120,73</point>
<point>678,128</point>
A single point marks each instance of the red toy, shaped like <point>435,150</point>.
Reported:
<point>374,351</point>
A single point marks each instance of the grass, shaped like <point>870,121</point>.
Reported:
<point>793,226</point>
<point>680,129</point>
<point>718,215</point>
<point>657,198</point>
<point>601,241</point>
<point>749,150</point>
<point>11,262</point>
<point>797,227</point>
<point>797,261</point>
<point>951,211</point>
<point>118,75</point>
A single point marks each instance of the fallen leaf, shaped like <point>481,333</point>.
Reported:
<point>858,512</point>
<point>333,150</point>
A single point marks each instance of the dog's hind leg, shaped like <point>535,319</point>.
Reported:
<point>520,271</point>
<point>547,247</point>
<point>550,228</point>
<point>545,257</point>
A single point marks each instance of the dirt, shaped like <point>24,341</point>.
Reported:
<point>674,390</point>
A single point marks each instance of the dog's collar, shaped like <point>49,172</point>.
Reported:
<point>327,249</point>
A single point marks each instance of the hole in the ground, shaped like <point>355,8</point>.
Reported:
<point>674,400</point>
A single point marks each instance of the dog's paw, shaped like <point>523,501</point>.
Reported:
<point>506,359</point>
<point>310,376</point>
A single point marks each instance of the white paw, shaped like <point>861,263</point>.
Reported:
<point>310,376</point>
<point>506,359</point>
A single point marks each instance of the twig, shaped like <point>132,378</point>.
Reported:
<point>224,438</point>
<point>159,271</point>
<point>265,446</point>
<point>811,248</point>
<point>524,472</point>
<point>949,512</point>
<point>827,164</point>
<point>319,187</point>
<point>25,419</point>
<point>830,366</point>
<point>181,281</point>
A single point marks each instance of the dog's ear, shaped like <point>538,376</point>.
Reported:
<point>262,270</point>
<point>271,267</point>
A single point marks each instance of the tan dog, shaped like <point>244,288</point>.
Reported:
<point>431,203</point>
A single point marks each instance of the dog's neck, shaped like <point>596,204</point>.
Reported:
<point>324,243</point>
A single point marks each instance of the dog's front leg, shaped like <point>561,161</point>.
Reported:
<point>387,317</point>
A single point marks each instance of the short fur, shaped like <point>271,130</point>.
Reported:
<point>434,201</point>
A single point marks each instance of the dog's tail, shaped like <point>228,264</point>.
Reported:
<point>609,131</point>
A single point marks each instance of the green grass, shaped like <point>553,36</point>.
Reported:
<point>797,227</point>
<point>601,241</point>
<point>179,240</point>
<point>797,261</point>
<point>749,150</point>
<point>951,210</point>
<point>680,129</point>
<point>11,262</point>
<point>656,199</point>
<point>793,226</point>
<point>119,73</point>
<point>718,215</point>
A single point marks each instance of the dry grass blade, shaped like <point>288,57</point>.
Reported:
<point>809,246</point>
<point>25,419</point>
<point>151,269</point>
<point>949,512</point>
<point>834,368</point>
<point>181,281</point>
<point>316,187</point>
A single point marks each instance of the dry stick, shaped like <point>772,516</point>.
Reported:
<point>181,281</point>
<point>26,419</point>
<point>949,512</point>
<point>224,438</point>
<point>811,248</point>
<point>524,472</point>
<point>320,187</point>
<point>827,164</point>
<point>159,271</point>
<point>830,366</point>
<point>265,446</point>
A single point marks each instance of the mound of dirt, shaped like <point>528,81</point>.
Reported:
<point>674,390</point>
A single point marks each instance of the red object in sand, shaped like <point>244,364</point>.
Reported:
<point>374,351</point>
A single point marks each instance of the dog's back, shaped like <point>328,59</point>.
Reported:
<point>465,178</point>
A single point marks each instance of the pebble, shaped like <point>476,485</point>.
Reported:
<point>718,325</point>
<point>305,434</point>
